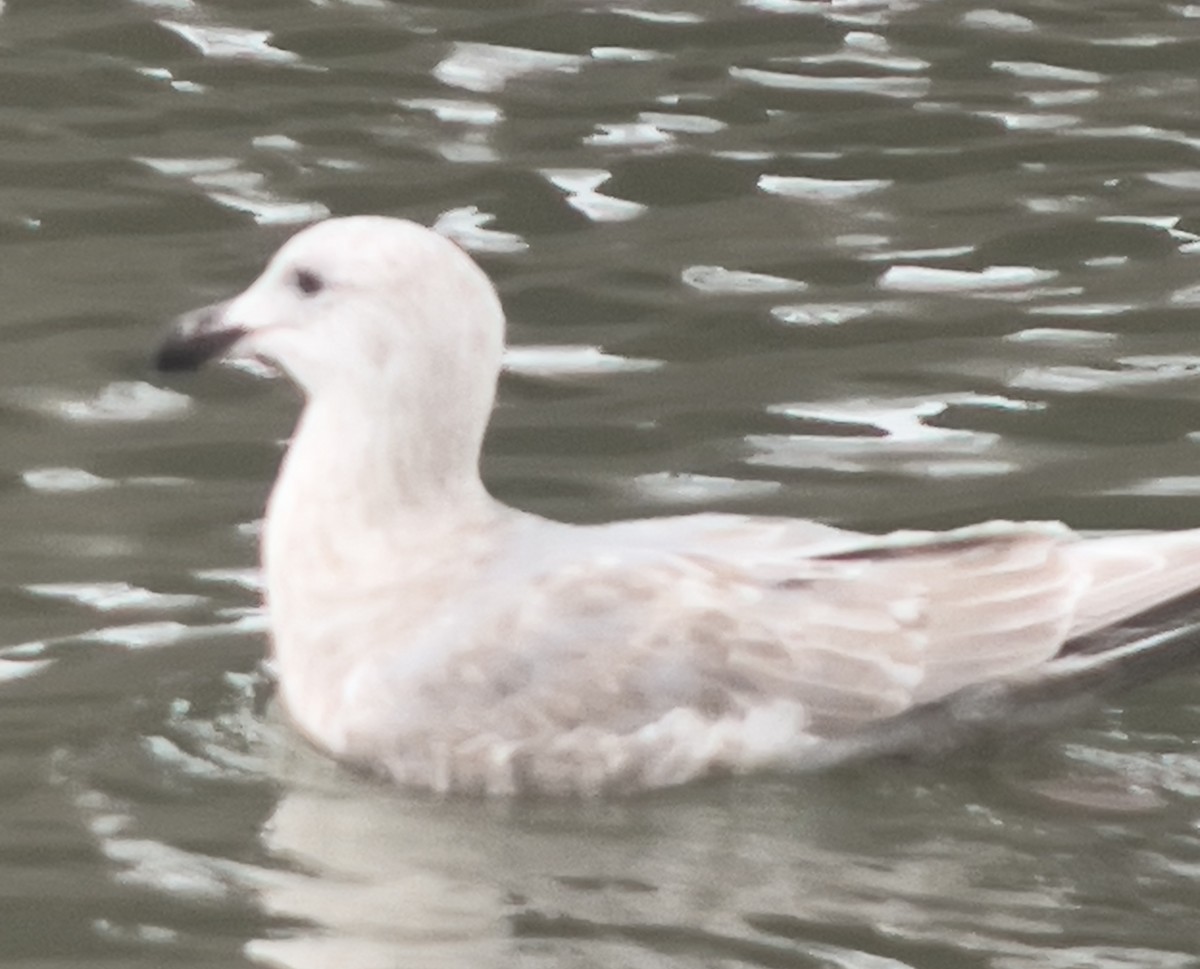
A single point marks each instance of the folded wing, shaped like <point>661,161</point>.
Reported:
<point>634,667</point>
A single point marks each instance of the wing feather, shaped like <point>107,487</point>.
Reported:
<point>639,665</point>
<point>849,638</point>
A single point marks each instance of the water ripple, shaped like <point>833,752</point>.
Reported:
<point>570,361</point>
<point>110,596</point>
<point>468,226</point>
<point>1037,71</point>
<point>698,489</point>
<point>457,110</point>
<point>901,218</point>
<point>635,134</point>
<point>868,50</point>
<point>119,402</point>
<point>231,43</point>
<point>929,279</point>
<point>887,435</point>
<point>228,183</point>
<point>820,189</point>
<point>580,186</point>
<point>908,88</point>
<point>64,480</point>
<point>486,68</point>
<point>718,279</point>
<point>1131,371</point>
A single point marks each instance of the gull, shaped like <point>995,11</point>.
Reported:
<point>426,632</point>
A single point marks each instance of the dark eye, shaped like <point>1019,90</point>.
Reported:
<point>309,283</point>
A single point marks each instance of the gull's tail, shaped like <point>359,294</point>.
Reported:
<point>1078,680</point>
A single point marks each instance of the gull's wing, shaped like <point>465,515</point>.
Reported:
<point>630,665</point>
<point>1130,574</point>
<point>1120,575</point>
<point>855,635</point>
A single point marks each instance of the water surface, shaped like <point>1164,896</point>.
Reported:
<point>905,264</point>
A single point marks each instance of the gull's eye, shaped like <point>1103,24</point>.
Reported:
<point>308,282</point>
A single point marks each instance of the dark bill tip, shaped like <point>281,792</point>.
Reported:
<point>183,352</point>
<point>196,338</point>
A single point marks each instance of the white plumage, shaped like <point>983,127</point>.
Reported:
<point>427,631</point>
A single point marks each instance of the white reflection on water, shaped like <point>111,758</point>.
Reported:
<point>635,134</point>
<point>162,74</point>
<point>689,124</point>
<point>1026,121</point>
<point>1167,223</point>
<point>1135,40</point>
<point>930,279</point>
<point>244,578</point>
<point>457,110</point>
<point>486,68</point>
<point>659,16</point>
<point>627,55</point>
<point>1169,486</point>
<point>1188,180</point>
<point>381,882</point>
<point>64,480</point>
<point>698,489</point>
<point>459,129</point>
<point>1137,132</point>
<point>122,401</point>
<point>109,596</point>
<point>908,88</point>
<point>571,361</point>
<point>820,189</point>
<point>1132,371</point>
<point>362,876</point>
<point>865,13</point>
<point>15,669</point>
<point>1045,99</point>
<point>825,314</point>
<point>937,252</point>
<point>468,227</point>
<point>228,183</point>
<point>1081,309</point>
<point>991,19</point>
<point>231,43</point>
<point>1037,71</point>
<point>1061,337</point>
<point>893,436</point>
<point>718,279</point>
<point>145,635</point>
<point>868,49</point>
<point>580,186</point>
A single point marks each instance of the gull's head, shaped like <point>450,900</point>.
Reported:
<point>354,305</point>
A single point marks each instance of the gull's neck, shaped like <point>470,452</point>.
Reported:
<point>360,484</point>
<point>367,528</point>
<point>382,463</point>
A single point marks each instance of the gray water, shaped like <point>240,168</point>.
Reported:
<point>884,264</point>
